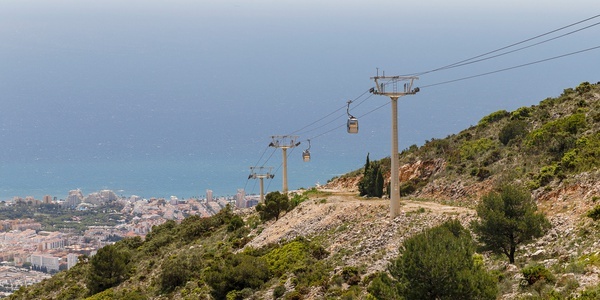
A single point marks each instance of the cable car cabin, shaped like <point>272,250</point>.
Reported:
<point>352,125</point>
<point>306,155</point>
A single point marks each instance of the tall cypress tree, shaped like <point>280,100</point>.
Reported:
<point>371,185</point>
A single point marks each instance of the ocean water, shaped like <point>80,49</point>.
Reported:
<point>160,178</point>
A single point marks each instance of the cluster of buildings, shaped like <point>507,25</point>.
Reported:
<point>26,249</point>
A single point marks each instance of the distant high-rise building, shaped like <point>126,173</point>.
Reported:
<point>41,261</point>
<point>72,260</point>
<point>209,195</point>
<point>74,198</point>
<point>47,199</point>
<point>240,198</point>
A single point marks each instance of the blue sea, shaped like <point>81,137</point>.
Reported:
<point>159,178</point>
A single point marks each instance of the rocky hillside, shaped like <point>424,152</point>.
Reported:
<point>333,243</point>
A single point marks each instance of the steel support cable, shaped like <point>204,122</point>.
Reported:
<point>511,68</point>
<point>256,164</point>
<point>275,149</point>
<point>342,125</point>
<point>522,48</point>
<point>503,48</point>
<point>333,112</point>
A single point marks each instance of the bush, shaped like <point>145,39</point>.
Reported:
<point>383,287</point>
<point>556,137</point>
<point>438,263</point>
<point>472,149</point>
<point>176,271</point>
<point>521,113</point>
<point>236,273</point>
<point>493,117</point>
<point>594,213</point>
<point>536,273</point>
<point>512,130</point>
<point>351,275</point>
<point>278,291</point>
<point>481,173</point>
<point>583,88</point>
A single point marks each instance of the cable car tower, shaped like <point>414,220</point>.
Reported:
<point>261,176</point>
<point>284,142</point>
<point>388,86</point>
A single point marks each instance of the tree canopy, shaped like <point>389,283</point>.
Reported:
<point>275,203</point>
<point>440,263</point>
<point>507,218</point>
<point>371,185</point>
<point>108,268</point>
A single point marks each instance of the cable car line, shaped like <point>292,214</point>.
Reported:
<point>518,49</point>
<point>472,60</point>
<point>505,47</point>
<point>333,112</point>
<point>511,68</point>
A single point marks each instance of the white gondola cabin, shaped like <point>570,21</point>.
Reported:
<point>352,125</point>
<point>306,153</point>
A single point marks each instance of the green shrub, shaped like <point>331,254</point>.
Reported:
<point>235,223</point>
<point>481,173</point>
<point>278,291</point>
<point>438,264</point>
<point>287,257</point>
<point>175,272</point>
<point>556,137</point>
<point>594,213</point>
<point>512,130</point>
<point>584,156</point>
<point>520,113</point>
<point>583,88</point>
<point>235,273</point>
<point>535,273</point>
<point>471,149</point>
<point>493,117</point>
<point>409,187</point>
<point>383,287</point>
<point>351,275</point>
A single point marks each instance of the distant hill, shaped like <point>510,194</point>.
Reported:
<point>334,244</point>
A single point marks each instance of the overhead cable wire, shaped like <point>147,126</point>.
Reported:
<point>511,68</point>
<point>333,112</point>
<point>503,48</point>
<point>522,48</point>
<point>342,125</point>
<point>263,165</point>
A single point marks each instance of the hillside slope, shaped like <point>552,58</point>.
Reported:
<point>334,243</point>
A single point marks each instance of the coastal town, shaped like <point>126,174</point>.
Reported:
<point>29,252</point>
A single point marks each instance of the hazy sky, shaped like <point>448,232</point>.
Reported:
<point>135,80</point>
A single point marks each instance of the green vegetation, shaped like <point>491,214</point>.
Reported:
<point>275,204</point>
<point>436,264</point>
<point>493,117</point>
<point>108,268</point>
<point>536,273</point>
<point>54,217</point>
<point>594,213</point>
<point>508,218</point>
<point>541,146</point>
<point>371,185</point>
